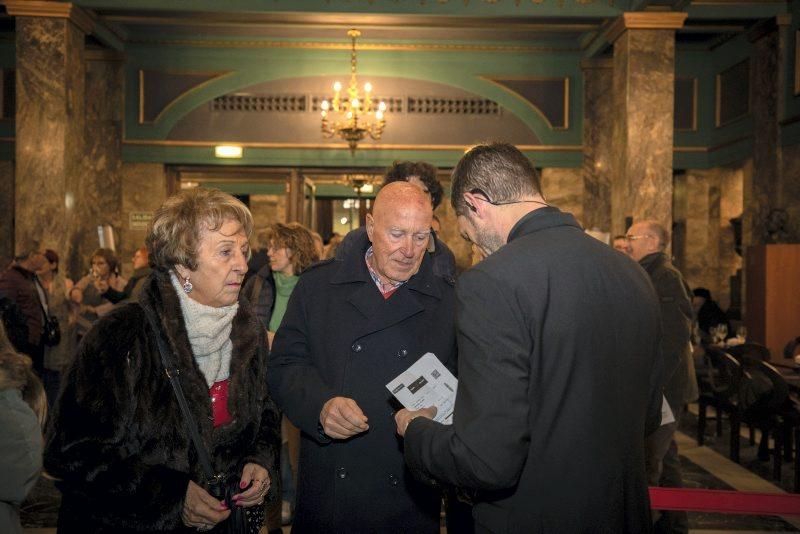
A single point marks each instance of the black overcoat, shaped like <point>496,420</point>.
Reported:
<point>339,337</point>
<point>557,340</point>
<point>117,440</point>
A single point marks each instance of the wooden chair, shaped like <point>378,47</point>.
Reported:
<point>719,388</point>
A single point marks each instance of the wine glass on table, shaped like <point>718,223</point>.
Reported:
<point>722,333</point>
<point>741,333</point>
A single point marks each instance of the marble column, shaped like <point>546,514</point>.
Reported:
<point>769,188</point>
<point>143,190</point>
<point>52,199</point>
<point>598,120</point>
<point>563,187</point>
<point>101,187</point>
<point>642,137</point>
<point>701,254</point>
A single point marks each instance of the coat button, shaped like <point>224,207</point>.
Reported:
<point>356,347</point>
<point>402,353</point>
<point>341,473</point>
<point>393,480</point>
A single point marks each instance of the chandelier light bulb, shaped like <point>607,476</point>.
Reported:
<point>355,103</point>
<point>382,106</point>
<point>379,115</point>
<point>337,86</point>
<point>325,105</point>
<point>349,114</point>
<point>367,87</point>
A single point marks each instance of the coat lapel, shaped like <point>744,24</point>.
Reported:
<point>379,313</point>
<point>159,296</point>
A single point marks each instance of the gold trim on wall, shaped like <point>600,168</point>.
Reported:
<point>710,149</point>
<point>645,21</point>
<point>393,47</point>
<point>565,79</point>
<point>694,104</point>
<point>338,146</point>
<point>215,75</point>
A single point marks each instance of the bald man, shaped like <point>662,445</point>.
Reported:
<point>352,325</point>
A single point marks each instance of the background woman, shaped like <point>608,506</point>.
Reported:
<point>291,251</point>
<point>23,409</point>
<point>119,444</point>
<point>57,287</point>
<point>88,292</point>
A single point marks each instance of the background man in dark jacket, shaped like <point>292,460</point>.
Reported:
<point>647,242</point>
<point>351,326</point>
<point>557,339</point>
<point>19,285</point>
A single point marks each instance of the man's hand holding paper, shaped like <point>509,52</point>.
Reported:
<point>426,389</point>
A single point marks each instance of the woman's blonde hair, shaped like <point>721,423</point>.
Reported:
<point>176,229</point>
<point>297,238</point>
<point>16,372</point>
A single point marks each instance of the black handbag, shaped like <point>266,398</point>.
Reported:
<point>220,485</point>
<point>51,333</point>
<point>51,330</point>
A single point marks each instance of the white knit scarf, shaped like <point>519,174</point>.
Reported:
<point>209,330</point>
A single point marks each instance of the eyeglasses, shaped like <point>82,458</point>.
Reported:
<point>479,191</point>
<point>635,237</point>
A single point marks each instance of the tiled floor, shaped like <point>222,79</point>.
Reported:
<point>704,467</point>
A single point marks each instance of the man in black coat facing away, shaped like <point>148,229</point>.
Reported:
<point>351,326</point>
<point>558,376</point>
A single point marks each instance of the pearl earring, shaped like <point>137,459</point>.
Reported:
<point>187,286</point>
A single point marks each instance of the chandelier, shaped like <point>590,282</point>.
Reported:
<point>352,116</point>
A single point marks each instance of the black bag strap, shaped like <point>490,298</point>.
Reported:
<point>172,373</point>
<point>39,294</point>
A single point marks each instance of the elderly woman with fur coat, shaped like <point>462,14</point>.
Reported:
<point>119,445</point>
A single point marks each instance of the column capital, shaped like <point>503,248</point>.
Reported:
<point>81,18</point>
<point>645,21</point>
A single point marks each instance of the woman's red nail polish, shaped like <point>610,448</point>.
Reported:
<point>242,484</point>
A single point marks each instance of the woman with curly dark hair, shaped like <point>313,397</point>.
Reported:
<point>291,251</point>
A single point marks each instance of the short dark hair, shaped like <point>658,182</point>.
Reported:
<point>500,170</point>
<point>108,255</point>
<point>52,257</point>
<point>401,171</point>
<point>702,292</point>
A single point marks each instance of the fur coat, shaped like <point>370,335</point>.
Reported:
<point>117,442</point>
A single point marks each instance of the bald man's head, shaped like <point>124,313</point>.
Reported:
<point>399,228</point>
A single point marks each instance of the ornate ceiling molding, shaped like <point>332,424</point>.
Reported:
<point>398,47</point>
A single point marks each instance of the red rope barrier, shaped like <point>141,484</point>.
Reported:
<point>724,502</point>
